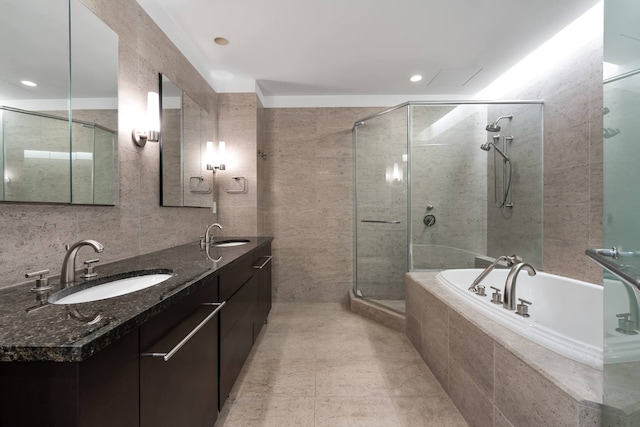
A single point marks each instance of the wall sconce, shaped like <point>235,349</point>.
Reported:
<point>216,162</point>
<point>150,129</point>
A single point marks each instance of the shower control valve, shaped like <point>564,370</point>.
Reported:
<point>496,297</point>
<point>429,220</point>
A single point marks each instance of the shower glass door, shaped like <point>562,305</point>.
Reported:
<point>381,177</point>
<point>621,153</point>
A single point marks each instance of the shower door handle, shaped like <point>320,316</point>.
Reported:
<point>380,222</point>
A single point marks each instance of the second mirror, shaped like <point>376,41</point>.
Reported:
<point>186,127</point>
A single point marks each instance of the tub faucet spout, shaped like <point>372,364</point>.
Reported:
<point>509,301</point>
<point>510,260</point>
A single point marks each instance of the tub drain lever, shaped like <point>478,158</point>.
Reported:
<point>522,309</point>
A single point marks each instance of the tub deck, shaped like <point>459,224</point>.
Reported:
<point>490,372</point>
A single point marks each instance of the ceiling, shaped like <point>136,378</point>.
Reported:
<point>359,47</point>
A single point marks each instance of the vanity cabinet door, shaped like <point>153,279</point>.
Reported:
<point>262,271</point>
<point>236,336</point>
<point>180,387</point>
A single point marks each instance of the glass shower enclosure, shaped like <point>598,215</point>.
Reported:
<point>434,189</point>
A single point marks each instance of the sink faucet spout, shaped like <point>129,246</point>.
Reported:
<point>68,272</point>
<point>207,236</point>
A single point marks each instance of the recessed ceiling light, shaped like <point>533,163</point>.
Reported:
<point>416,78</point>
<point>28,83</point>
<point>221,41</point>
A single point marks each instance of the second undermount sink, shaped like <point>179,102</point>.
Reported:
<point>104,288</point>
<point>230,242</point>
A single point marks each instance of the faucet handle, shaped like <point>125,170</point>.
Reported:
<point>88,272</point>
<point>42,282</point>
<point>523,307</point>
<point>513,260</point>
<point>496,297</point>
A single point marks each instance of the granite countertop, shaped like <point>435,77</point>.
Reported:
<point>61,333</point>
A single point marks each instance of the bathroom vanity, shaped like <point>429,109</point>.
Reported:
<point>165,355</point>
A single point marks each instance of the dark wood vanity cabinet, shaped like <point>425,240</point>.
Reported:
<point>101,391</point>
<point>128,384</point>
<point>246,288</point>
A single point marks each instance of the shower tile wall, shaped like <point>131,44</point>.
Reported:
<point>448,172</point>
<point>34,235</point>
<point>572,94</point>
<point>518,229</point>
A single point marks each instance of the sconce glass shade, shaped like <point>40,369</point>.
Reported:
<point>215,162</point>
<point>150,129</point>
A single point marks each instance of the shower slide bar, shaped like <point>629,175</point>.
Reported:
<point>380,222</point>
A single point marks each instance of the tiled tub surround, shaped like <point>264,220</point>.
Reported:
<point>494,376</point>
<point>49,334</point>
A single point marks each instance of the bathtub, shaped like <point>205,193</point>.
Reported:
<point>565,317</point>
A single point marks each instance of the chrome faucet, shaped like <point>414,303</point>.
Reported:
<point>207,236</point>
<point>68,272</point>
<point>511,261</point>
<point>510,285</point>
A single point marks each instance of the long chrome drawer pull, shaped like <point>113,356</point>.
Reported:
<point>380,222</point>
<point>260,267</point>
<point>183,341</point>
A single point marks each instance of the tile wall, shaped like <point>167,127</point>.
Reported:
<point>573,203</point>
<point>310,206</point>
<point>239,126</point>
<point>310,200</point>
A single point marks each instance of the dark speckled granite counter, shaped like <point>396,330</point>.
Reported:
<point>52,334</point>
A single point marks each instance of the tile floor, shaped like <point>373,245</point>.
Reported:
<point>318,364</point>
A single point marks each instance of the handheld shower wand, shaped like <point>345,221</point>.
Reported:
<point>506,178</point>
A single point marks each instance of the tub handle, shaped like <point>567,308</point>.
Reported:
<point>496,298</point>
<point>523,307</point>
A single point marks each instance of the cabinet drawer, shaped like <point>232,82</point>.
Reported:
<point>233,276</point>
<point>178,373</point>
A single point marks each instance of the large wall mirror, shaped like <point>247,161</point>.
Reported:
<point>186,128</point>
<point>59,62</point>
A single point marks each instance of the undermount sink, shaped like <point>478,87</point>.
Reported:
<point>229,243</point>
<point>104,288</point>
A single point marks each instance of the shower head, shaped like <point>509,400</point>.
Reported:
<point>487,146</point>
<point>493,127</point>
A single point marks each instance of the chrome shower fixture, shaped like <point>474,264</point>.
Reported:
<point>487,146</point>
<point>504,200</point>
<point>493,127</point>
